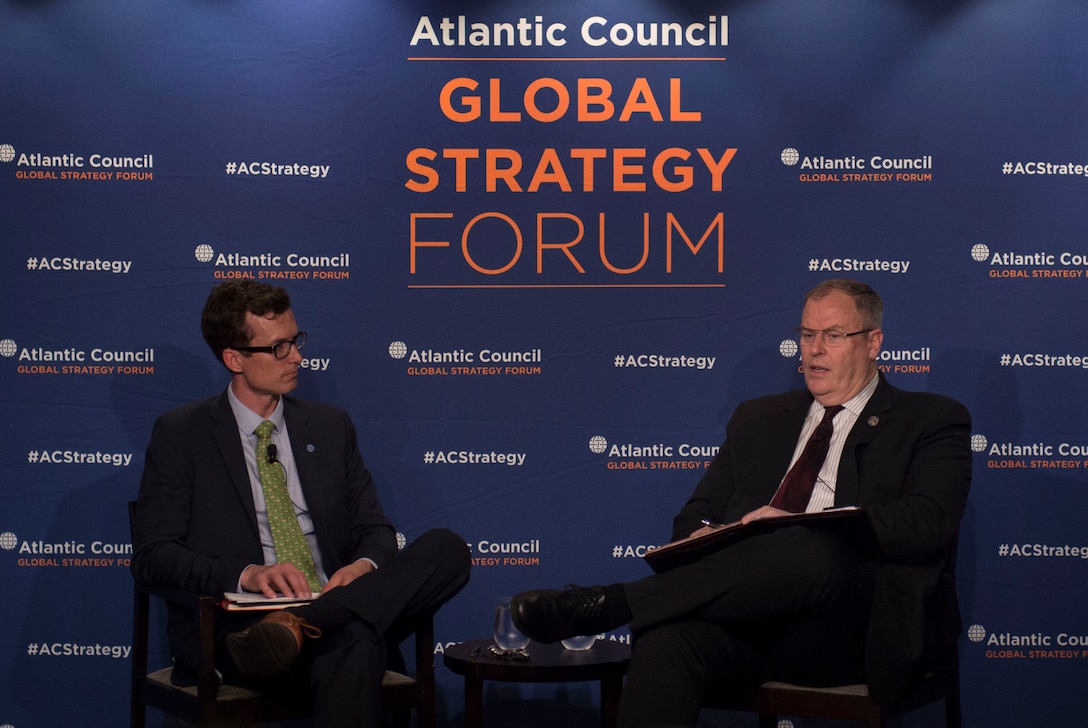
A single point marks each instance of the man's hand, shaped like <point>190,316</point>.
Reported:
<point>349,573</point>
<point>764,512</point>
<point>276,580</point>
<point>759,514</point>
<point>703,530</point>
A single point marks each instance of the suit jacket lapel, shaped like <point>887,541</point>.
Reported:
<point>225,433</point>
<point>793,420</point>
<point>865,430</point>
<point>301,432</point>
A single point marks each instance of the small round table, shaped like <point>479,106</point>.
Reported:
<point>605,661</point>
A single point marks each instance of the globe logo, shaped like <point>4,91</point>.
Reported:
<point>204,253</point>
<point>398,350</point>
<point>8,541</point>
<point>7,152</point>
<point>401,541</point>
<point>7,348</point>
<point>980,252</point>
<point>976,633</point>
<point>788,348</point>
<point>979,443</point>
<point>597,444</point>
<point>790,156</point>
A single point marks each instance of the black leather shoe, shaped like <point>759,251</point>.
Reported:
<point>550,615</point>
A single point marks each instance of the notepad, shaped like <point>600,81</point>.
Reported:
<point>850,520</point>
<point>249,601</point>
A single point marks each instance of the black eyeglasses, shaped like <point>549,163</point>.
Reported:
<point>832,337</point>
<point>279,350</point>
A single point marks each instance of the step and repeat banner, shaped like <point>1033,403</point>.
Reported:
<point>542,250</point>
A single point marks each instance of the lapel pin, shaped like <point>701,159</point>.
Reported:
<point>310,447</point>
<point>874,421</point>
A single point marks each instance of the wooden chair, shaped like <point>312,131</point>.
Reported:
<point>852,702</point>
<point>210,704</point>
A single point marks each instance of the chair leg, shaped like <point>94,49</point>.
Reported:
<point>952,715</point>
<point>399,718</point>
<point>141,607</point>
<point>137,715</point>
<point>424,644</point>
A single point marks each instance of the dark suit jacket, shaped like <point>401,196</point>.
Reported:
<point>196,526</point>
<point>907,461</point>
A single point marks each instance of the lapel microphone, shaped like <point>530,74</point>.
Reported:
<point>271,453</point>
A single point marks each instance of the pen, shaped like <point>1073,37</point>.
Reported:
<point>711,524</point>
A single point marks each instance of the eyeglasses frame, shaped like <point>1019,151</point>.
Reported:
<point>297,342</point>
<point>801,331</point>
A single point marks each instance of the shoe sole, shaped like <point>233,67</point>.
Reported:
<point>263,649</point>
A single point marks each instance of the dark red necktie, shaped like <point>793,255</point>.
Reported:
<point>796,489</point>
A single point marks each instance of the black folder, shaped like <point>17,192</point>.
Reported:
<point>850,521</point>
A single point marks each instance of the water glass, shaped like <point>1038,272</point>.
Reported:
<point>583,642</point>
<point>507,636</point>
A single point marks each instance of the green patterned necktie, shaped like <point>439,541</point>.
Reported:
<point>291,546</point>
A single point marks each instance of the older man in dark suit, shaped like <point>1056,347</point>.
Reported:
<point>206,524</point>
<point>798,604</point>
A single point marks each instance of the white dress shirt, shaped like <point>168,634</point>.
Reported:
<point>823,494</point>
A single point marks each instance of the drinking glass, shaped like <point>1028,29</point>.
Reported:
<point>507,636</point>
<point>583,642</point>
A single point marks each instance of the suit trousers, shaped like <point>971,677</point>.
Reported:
<point>790,605</point>
<point>341,672</point>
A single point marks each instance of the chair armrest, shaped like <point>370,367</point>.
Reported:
<point>173,595</point>
<point>204,606</point>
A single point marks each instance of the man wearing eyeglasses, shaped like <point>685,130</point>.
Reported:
<point>798,604</point>
<point>204,524</point>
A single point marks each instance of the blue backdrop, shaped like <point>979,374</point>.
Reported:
<point>541,252</point>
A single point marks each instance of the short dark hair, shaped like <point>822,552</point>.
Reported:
<point>223,322</point>
<point>868,301</point>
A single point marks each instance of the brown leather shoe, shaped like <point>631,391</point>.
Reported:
<point>271,645</point>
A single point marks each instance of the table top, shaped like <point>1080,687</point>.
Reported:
<point>546,663</point>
